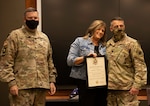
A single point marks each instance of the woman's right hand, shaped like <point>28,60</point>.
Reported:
<point>92,55</point>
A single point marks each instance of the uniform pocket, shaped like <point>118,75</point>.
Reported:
<point>122,57</point>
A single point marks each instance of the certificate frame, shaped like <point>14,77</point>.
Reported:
<point>96,71</point>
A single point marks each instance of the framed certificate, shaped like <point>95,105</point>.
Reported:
<point>96,71</point>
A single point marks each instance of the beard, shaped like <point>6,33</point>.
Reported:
<point>118,35</point>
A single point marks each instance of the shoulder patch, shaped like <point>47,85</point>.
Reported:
<point>3,51</point>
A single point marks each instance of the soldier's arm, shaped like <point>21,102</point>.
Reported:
<point>7,56</point>
<point>139,65</point>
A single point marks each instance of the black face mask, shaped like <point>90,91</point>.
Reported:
<point>32,24</point>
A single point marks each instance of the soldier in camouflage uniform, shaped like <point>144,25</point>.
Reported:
<point>127,71</point>
<point>26,63</point>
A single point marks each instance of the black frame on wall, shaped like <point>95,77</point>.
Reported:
<point>64,20</point>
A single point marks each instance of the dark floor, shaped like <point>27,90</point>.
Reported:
<point>143,103</point>
<point>65,103</point>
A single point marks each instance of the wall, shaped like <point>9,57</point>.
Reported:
<point>64,20</point>
<point>11,18</point>
<point>136,15</point>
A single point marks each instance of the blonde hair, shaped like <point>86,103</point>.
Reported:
<point>96,24</point>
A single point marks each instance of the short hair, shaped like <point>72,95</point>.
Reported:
<point>117,18</point>
<point>29,9</point>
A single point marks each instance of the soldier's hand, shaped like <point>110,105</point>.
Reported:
<point>14,90</point>
<point>52,89</point>
<point>134,91</point>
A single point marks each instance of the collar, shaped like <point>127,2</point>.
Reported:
<point>28,33</point>
<point>91,43</point>
<point>111,41</point>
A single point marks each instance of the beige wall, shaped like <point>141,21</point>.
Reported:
<point>11,17</point>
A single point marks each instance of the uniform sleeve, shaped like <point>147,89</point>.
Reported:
<point>137,55</point>
<point>52,69</point>
<point>7,57</point>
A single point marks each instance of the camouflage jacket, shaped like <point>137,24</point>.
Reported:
<point>126,64</point>
<point>26,60</point>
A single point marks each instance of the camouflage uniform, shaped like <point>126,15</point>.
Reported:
<point>28,97</point>
<point>126,69</point>
<point>26,60</point>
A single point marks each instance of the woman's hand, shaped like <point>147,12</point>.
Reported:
<point>80,60</point>
<point>92,55</point>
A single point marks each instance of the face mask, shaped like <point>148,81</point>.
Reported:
<point>32,24</point>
